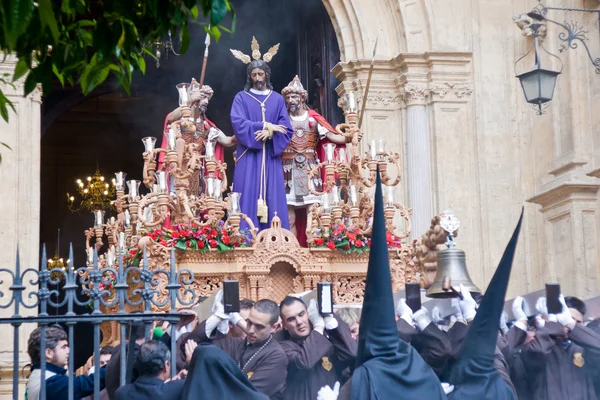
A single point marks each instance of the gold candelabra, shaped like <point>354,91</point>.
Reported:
<point>348,178</point>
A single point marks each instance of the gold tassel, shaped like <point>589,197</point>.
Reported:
<point>262,211</point>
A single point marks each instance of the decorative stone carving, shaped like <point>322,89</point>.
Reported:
<point>524,23</point>
<point>454,90</point>
<point>383,99</point>
<point>413,94</point>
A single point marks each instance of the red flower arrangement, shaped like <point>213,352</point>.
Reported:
<point>349,239</point>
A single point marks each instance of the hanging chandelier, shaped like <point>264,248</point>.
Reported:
<point>57,262</point>
<point>94,194</point>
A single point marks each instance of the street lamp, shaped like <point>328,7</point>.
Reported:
<point>538,84</point>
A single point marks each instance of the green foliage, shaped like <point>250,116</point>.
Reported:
<point>79,42</point>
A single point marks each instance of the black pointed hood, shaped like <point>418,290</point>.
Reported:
<point>386,367</point>
<point>474,376</point>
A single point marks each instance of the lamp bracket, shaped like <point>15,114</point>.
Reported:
<point>574,31</point>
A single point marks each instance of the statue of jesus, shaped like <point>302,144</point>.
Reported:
<point>262,129</point>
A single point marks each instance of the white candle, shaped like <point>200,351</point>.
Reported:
<point>325,201</point>
<point>389,196</point>
<point>235,203</point>
<point>217,189</point>
<point>149,143</point>
<point>335,196</point>
<point>127,219</point>
<point>120,180</point>
<point>353,195</point>
<point>210,187</point>
<point>161,178</point>
<point>342,153</point>
<point>122,241</point>
<point>329,151</point>
<point>172,139</point>
<point>133,189</point>
<point>351,102</point>
<point>210,152</point>
<point>98,219</point>
<point>373,149</point>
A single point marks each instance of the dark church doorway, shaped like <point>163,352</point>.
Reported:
<point>104,130</point>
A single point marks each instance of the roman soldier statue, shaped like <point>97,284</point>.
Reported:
<point>311,133</point>
<point>200,131</point>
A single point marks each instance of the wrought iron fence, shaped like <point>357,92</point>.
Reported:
<point>135,286</point>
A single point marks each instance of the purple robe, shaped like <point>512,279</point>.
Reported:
<point>246,118</point>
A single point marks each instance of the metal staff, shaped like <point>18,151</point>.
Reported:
<point>364,101</point>
<point>207,45</point>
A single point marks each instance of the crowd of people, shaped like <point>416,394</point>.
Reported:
<point>290,351</point>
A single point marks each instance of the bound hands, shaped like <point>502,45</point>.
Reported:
<point>269,131</point>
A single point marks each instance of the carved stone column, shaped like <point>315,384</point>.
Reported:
<point>418,158</point>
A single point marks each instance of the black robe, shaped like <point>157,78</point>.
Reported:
<point>386,367</point>
<point>267,371</point>
<point>522,380</point>
<point>563,370</point>
<point>476,375</point>
<point>317,360</point>
<point>147,387</point>
<point>214,375</point>
<point>113,370</point>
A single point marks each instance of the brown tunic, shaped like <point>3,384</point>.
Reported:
<point>317,360</point>
<point>563,370</point>
<point>434,347</point>
<point>267,371</point>
<point>515,339</point>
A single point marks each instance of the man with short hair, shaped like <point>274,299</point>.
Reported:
<point>56,354</point>
<point>258,355</point>
<point>154,366</point>
<point>318,348</point>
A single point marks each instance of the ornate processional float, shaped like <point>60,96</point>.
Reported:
<point>187,207</point>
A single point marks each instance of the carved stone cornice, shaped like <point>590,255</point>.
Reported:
<point>566,193</point>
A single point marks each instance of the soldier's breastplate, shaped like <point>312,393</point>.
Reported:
<point>199,137</point>
<point>305,138</point>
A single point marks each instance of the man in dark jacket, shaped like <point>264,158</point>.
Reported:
<point>152,363</point>
<point>57,356</point>
<point>563,357</point>
<point>318,349</point>
<point>258,355</point>
<point>419,331</point>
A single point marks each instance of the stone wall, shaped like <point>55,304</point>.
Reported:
<point>19,210</point>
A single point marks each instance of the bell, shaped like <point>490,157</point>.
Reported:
<point>451,272</point>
